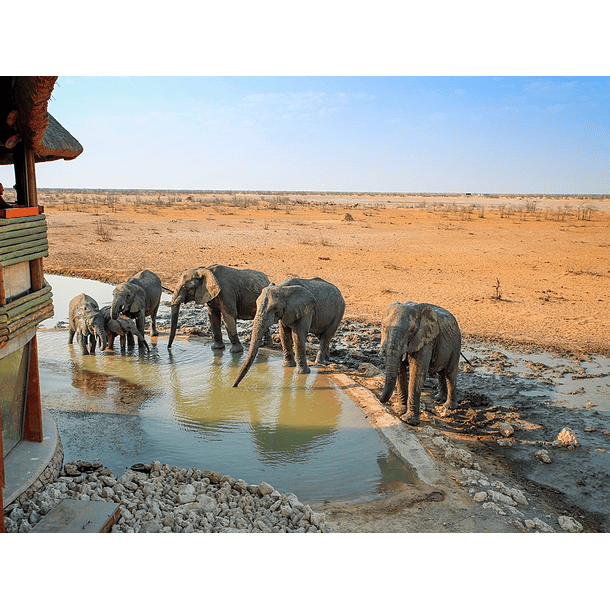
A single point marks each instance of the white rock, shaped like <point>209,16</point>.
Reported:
<point>504,442</point>
<point>206,503</point>
<point>186,498</point>
<point>568,524</point>
<point>494,506</point>
<point>505,429</point>
<point>264,488</point>
<point>519,497</point>
<point>543,456</point>
<point>480,496</point>
<point>459,457</point>
<point>497,496</point>
<point>441,442</point>
<point>187,489</point>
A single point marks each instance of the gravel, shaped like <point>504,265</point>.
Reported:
<point>155,498</point>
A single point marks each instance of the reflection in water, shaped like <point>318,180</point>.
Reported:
<point>297,432</point>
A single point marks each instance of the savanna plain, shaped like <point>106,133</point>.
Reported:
<point>525,273</point>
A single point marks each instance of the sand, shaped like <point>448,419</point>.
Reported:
<point>525,272</point>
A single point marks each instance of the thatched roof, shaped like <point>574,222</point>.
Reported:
<point>29,96</point>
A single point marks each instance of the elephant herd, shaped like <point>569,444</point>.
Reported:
<point>417,338</point>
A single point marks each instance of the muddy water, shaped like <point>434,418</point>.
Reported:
<point>300,433</point>
<point>573,383</point>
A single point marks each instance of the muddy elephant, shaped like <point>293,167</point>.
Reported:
<point>137,297</point>
<point>122,327</point>
<point>87,323</point>
<point>426,339</point>
<point>301,306</point>
<point>229,293</point>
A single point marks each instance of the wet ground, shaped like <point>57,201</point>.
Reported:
<point>537,393</point>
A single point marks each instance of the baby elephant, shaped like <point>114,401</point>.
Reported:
<point>426,339</point>
<point>123,327</point>
<point>87,323</point>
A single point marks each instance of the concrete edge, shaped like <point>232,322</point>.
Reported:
<point>27,462</point>
<point>395,431</point>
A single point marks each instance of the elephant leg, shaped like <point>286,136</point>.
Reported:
<point>71,333</point>
<point>286,339</point>
<point>82,341</point>
<point>216,328</point>
<point>300,339</point>
<point>231,326</point>
<point>267,340</point>
<point>92,343</point>
<point>126,339</point>
<point>417,376</point>
<point>402,387</point>
<point>450,378</point>
<point>140,327</point>
<point>441,394</point>
<point>323,355</point>
<point>153,324</point>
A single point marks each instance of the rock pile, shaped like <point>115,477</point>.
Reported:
<point>157,498</point>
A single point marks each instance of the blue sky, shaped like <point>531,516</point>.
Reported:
<point>398,134</point>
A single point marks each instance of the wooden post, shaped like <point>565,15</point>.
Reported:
<point>2,290</point>
<point>36,272</point>
<point>32,424</point>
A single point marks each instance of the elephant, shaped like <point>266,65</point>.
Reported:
<point>301,306</point>
<point>426,339</point>
<point>137,297</point>
<point>123,327</point>
<point>228,292</point>
<point>87,323</point>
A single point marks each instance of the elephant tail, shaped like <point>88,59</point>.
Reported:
<point>468,361</point>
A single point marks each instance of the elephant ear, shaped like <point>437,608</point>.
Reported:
<point>139,302</point>
<point>299,302</point>
<point>426,330</point>
<point>208,288</point>
<point>389,319</point>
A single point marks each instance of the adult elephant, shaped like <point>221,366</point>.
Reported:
<point>230,295</point>
<point>137,297</point>
<point>301,306</point>
<point>122,327</point>
<point>426,339</point>
<point>87,323</point>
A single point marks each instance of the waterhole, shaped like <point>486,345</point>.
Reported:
<point>300,433</point>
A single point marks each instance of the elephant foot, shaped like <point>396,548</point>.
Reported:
<point>411,418</point>
<point>305,370</point>
<point>218,345</point>
<point>154,333</point>
<point>237,348</point>
<point>288,363</point>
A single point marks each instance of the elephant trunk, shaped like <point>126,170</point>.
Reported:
<point>101,337</point>
<point>141,337</point>
<point>259,327</point>
<point>174,323</point>
<point>392,358</point>
<point>117,306</point>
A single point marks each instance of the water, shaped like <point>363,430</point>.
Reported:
<point>575,383</point>
<point>299,433</point>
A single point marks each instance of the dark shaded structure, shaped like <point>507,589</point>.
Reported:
<point>28,135</point>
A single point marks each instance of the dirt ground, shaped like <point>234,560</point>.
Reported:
<point>527,273</point>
